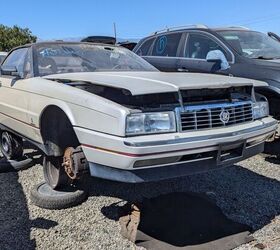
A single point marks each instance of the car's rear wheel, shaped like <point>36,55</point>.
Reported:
<point>11,146</point>
<point>54,173</point>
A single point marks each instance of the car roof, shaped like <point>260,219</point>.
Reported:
<point>198,27</point>
<point>100,39</point>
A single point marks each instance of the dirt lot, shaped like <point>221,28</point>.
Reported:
<point>247,193</point>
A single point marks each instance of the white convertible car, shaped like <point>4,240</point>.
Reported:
<point>103,110</point>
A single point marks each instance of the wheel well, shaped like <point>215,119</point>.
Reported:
<point>57,131</point>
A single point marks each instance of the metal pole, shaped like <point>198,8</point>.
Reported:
<point>115,31</point>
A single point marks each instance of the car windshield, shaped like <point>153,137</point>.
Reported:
<point>253,44</point>
<point>82,57</point>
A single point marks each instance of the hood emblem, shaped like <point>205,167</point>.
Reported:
<point>224,116</point>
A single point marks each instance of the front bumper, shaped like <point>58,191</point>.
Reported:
<point>157,157</point>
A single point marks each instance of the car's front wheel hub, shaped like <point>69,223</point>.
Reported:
<point>74,162</point>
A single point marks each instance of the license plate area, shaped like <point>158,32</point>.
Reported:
<point>230,152</point>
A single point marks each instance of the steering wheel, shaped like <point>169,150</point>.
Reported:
<point>118,66</point>
<point>91,66</point>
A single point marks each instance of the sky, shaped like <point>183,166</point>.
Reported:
<point>58,19</point>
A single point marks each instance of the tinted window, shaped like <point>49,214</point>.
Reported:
<point>167,45</point>
<point>16,59</point>
<point>145,47</point>
<point>198,46</point>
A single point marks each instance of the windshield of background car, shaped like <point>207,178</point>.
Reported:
<point>253,44</point>
<point>68,58</point>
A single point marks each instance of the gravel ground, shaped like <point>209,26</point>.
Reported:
<point>248,193</point>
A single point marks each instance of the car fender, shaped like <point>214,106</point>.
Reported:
<point>82,108</point>
<point>61,105</point>
<point>273,86</point>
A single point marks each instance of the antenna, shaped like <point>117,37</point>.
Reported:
<point>115,31</point>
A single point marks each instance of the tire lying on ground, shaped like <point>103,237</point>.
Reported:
<point>14,165</point>
<point>42,195</point>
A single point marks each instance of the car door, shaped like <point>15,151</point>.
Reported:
<point>163,51</point>
<point>197,46</point>
<point>13,101</point>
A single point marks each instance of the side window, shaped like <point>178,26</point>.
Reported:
<point>167,45</point>
<point>198,46</point>
<point>145,47</point>
<point>16,59</point>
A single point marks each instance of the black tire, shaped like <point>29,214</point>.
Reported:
<point>12,165</point>
<point>11,146</point>
<point>54,173</point>
<point>42,195</point>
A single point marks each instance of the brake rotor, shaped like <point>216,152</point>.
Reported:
<point>74,162</point>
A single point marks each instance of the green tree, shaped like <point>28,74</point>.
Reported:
<point>11,37</point>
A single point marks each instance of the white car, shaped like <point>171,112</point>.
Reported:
<point>102,109</point>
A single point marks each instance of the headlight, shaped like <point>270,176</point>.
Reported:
<point>149,123</point>
<point>260,109</point>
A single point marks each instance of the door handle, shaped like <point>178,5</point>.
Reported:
<point>183,69</point>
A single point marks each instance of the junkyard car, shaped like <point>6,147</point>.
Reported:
<point>242,53</point>
<point>103,109</point>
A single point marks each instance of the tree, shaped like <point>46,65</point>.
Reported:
<point>11,37</point>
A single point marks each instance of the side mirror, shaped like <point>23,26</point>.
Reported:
<point>216,66</point>
<point>10,71</point>
<point>219,60</point>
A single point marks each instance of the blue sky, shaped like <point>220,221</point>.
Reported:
<point>55,19</point>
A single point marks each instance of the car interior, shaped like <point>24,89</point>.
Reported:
<point>199,46</point>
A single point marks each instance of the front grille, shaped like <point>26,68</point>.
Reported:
<point>198,117</point>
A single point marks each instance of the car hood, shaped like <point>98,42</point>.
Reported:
<point>140,83</point>
<point>269,64</point>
